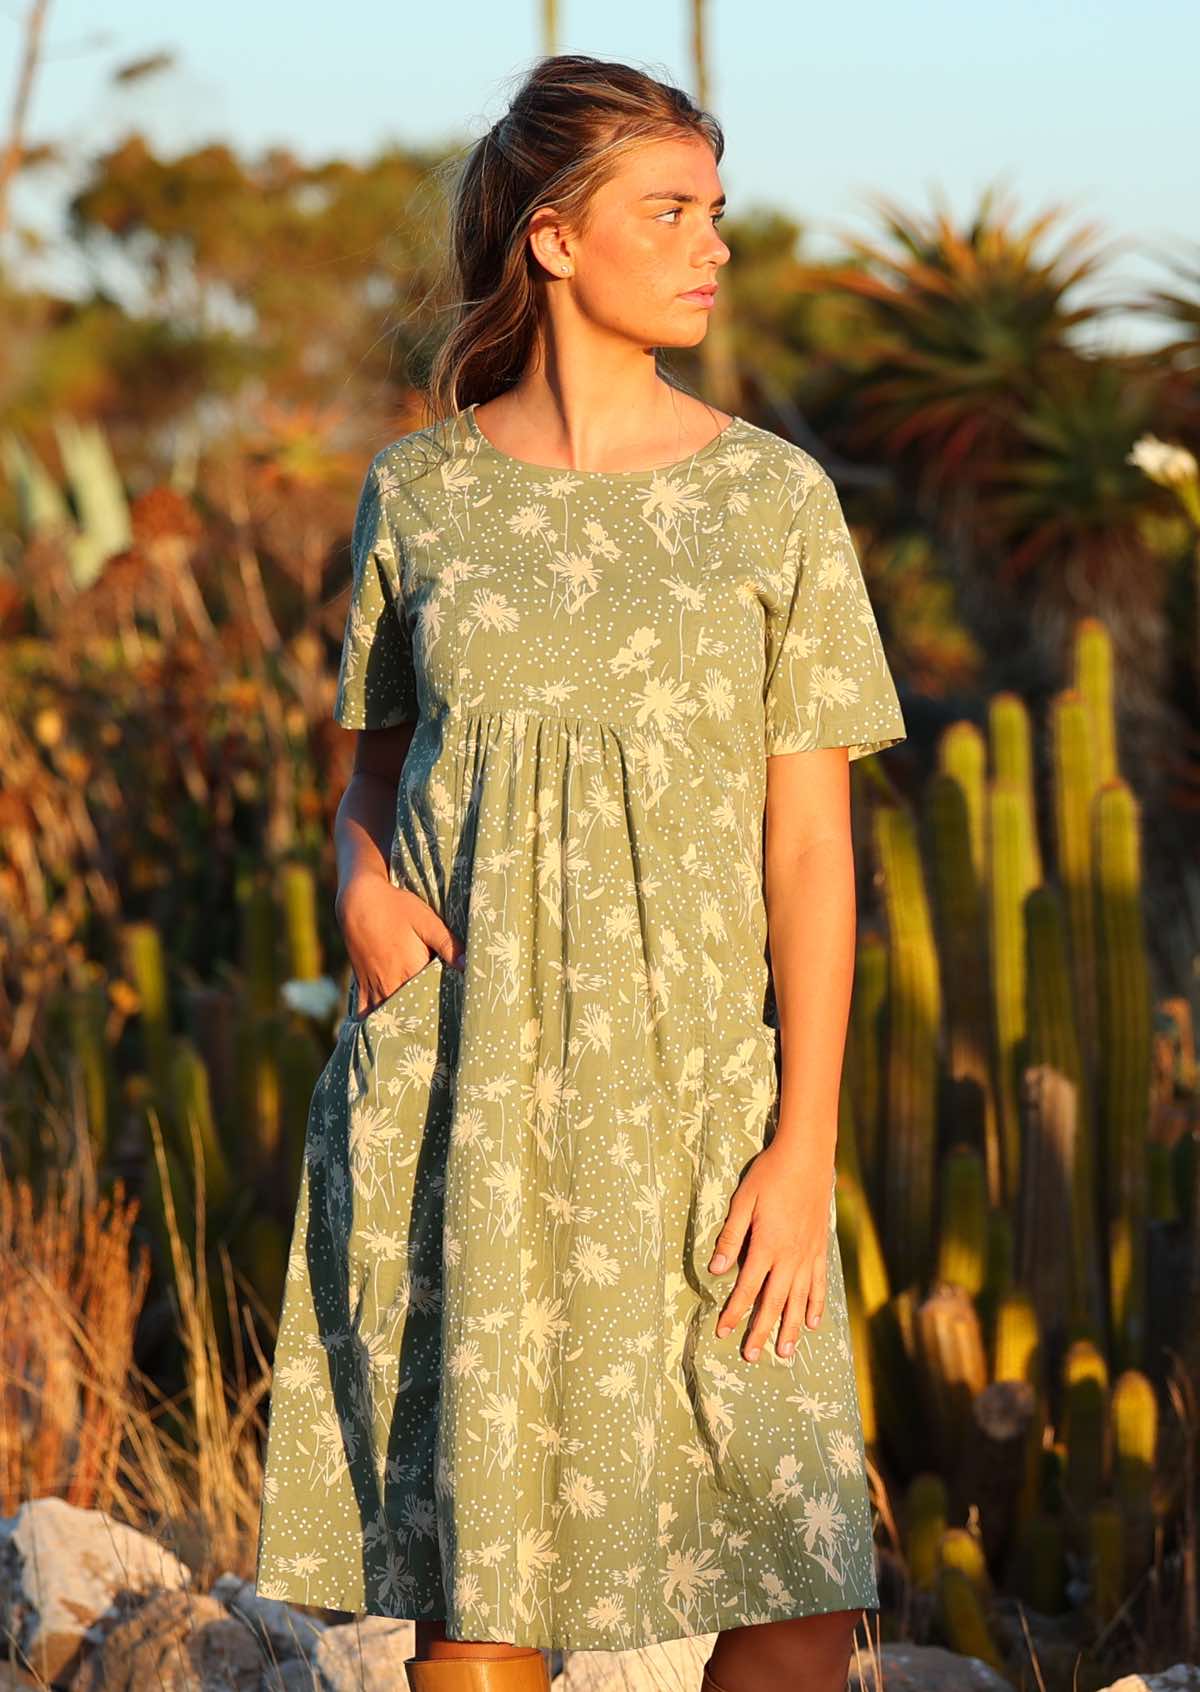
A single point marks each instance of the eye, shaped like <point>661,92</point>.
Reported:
<point>717,216</point>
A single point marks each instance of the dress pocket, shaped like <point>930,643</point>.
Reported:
<point>389,1001</point>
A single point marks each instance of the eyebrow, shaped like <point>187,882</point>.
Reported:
<point>678,194</point>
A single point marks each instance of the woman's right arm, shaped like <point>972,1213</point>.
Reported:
<point>390,932</point>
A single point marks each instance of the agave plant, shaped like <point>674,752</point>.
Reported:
<point>961,321</point>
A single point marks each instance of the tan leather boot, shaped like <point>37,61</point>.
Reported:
<point>526,1673</point>
<point>708,1684</point>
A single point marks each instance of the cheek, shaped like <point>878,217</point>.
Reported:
<point>625,277</point>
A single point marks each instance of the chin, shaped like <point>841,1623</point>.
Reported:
<point>677,337</point>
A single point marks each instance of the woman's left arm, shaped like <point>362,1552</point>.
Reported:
<point>783,1199</point>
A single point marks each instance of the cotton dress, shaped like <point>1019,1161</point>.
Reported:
<point>499,1398</point>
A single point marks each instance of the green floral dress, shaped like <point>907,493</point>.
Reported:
<point>499,1397</point>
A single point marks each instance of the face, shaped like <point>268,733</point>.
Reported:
<point>651,237</point>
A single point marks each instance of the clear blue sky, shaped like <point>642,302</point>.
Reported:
<point>1061,101</point>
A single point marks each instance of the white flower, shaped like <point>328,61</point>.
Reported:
<point>1170,466</point>
<point>318,999</point>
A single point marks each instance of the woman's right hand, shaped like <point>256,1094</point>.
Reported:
<point>390,933</point>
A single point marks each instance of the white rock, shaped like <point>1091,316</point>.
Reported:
<point>1180,1677</point>
<point>63,1570</point>
<point>285,1632</point>
<point>365,1655</point>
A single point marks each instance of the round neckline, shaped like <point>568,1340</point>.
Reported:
<point>487,445</point>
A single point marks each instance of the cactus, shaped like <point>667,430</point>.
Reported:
<point>301,1060</point>
<point>1010,733</point>
<point>962,753</point>
<point>1039,1564</point>
<point>1008,888</point>
<point>86,1010</point>
<point>1185,1169</point>
<point>964,1619</point>
<point>864,1045</point>
<point>954,1367</point>
<point>1085,1424</point>
<point>260,1092</point>
<point>1060,1176</point>
<point>147,968</point>
<point>260,940</point>
<point>192,1105</point>
<point>961,930</point>
<point>963,1235</point>
<point>1017,1349</point>
<point>1126,1060</point>
<point>894,1381</point>
<point>301,931</point>
<point>1093,681</point>
<point>961,1549</point>
<point>914,1013</point>
<point>1107,1560</point>
<point>1000,1277</point>
<point>1074,765</point>
<point>1134,1411</point>
<point>925,1508</point>
<point>263,1248</point>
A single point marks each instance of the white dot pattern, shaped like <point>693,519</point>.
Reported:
<point>499,1397</point>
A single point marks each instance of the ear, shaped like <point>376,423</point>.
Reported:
<point>550,241</point>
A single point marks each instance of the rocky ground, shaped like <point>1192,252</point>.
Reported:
<point>89,1605</point>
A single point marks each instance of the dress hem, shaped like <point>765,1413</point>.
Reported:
<point>725,1619</point>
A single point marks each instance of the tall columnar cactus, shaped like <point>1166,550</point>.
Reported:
<point>895,1378</point>
<point>953,1365</point>
<point>1011,735</point>
<point>1134,1407</point>
<point>914,1015</point>
<point>861,1071</point>
<point>1016,1348</point>
<point>1125,1060</point>
<point>925,1508</point>
<point>1094,683</point>
<point>257,1039</point>
<point>1008,887</point>
<point>1085,1432</point>
<point>962,753</point>
<point>1059,1168</point>
<point>191,1105</point>
<point>963,1231</point>
<point>962,1549</point>
<point>867,1290</point>
<point>1106,1561</point>
<point>86,1009</point>
<point>1074,764</point>
<point>1039,1565</point>
<point>298,892</point>
<point>146,964</point>
<point>259,945</point>
<point>963,1618</point>
<point>957,891</point>
<point>1001,1270</point>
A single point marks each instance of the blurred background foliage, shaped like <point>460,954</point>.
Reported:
<point>179,460</point>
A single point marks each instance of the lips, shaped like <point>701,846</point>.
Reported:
<point>706,292</point>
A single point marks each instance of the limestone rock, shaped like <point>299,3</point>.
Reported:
<point>923,1668</point>
<point>365,1655</point>
<point>63,1569</point>
<point>284,1632</point>
<point>176,1642</point>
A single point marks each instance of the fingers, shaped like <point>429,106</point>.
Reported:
<point>774,1290</point>
<point>440,939</point>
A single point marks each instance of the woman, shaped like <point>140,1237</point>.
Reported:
<point>564,1358</point>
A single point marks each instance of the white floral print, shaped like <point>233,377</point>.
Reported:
<point>499,1397</point>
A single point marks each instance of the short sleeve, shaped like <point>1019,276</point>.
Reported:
<point>376,685</point>
<point>827,679</point>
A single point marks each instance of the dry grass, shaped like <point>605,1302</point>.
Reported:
<point>79,1420</point>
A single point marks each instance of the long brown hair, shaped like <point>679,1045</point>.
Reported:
<point>570,122</point>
